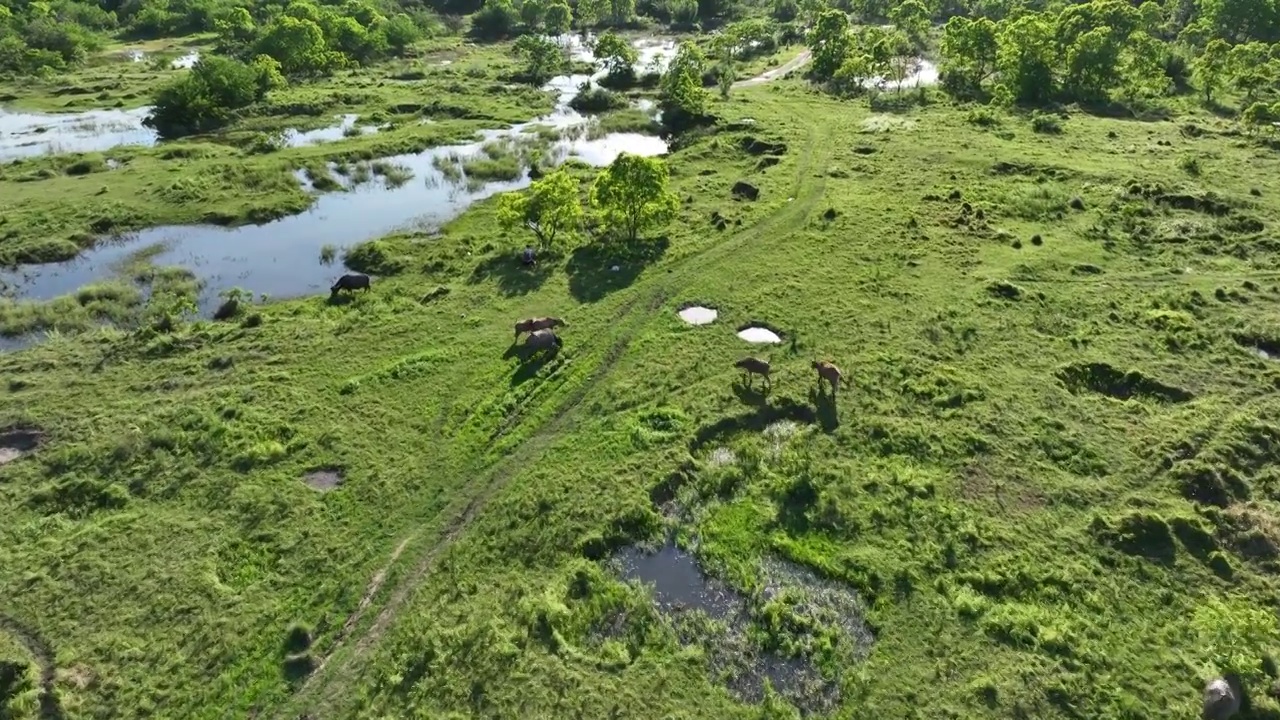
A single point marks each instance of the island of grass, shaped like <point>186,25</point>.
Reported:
<point>1038,247</point>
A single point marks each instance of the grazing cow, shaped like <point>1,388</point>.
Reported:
<point>829,372</point>
<point>539,340</point>
<point>754,366</point>
<point>529,325</point>
<point>349,282</point>
<point>528,258</point>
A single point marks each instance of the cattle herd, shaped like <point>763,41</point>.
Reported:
<point>541,336</point>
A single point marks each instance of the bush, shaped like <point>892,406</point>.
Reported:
<point>206,98</point>
<point>1046,123</point>
<point>497,19</point>
<point>596,100</point>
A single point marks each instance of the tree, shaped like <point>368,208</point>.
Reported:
<point>912,18</point>
<point>830,43</point>
<point>1259,115</point>
<point>681,95</point>
<point>618,56</point>
<point>531,12</point>
<point>968,49</point>
<point>1025,58</point>
<point>1142,67</point>
<point>205,98</point>
<point>1209,70</point>
<point>235,29</point>
<point>399,32</point>
<point>298,45</point>
<point>1092,64</point>
<point>1241,20</point>
<point>558,18</point>
<point>497,19</point>
<point>542,58</point>
<point>549,207</point>
<point>1250,68</point>
<point>631,195</point>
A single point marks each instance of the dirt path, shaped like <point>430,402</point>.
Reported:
<point>332,680</point>
<point>50,708</point>
<point>778,72</point>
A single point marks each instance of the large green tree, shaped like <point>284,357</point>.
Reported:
<point>205,98</point>
<point>968,48</point>
<point>1025,58</point>
<point>682,97</point>
<point>1209,69</point>
<point>549,209</point>
<point>298,45</point>
<point>618,56</point>
<point>830,43</point>
<point>558,18</point>
<point>542,57</point>
<point>631,195</point>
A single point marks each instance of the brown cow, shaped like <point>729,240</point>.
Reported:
<point>829,372</point>
<point>754,366</point>
<point>534,324</point>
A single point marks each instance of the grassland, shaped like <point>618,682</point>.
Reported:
<point>1053,463</point>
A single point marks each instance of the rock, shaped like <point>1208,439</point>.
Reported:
<point>746,190</point>
<point>1221,699</point>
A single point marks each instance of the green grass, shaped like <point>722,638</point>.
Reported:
<point>1049,478</point>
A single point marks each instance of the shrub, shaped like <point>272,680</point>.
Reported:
<point>1046,123</point>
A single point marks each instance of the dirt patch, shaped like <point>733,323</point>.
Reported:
<point>324,479</point>
<point>745,190</point>
<point>16,442</point>
<point>756,146</point>
<point>1006,290</point>
<point>1106,380</point>
<point>1267,348</point>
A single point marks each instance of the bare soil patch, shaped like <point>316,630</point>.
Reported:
<point>324,479</point>
<point>16,442</point>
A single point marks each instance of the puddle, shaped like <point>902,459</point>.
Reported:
<point>679,586</point>
<point>186,61</point>
<point>678,581</point>
<point>281,258</point>
<point>16,442</point>
<point>759,335</point>
<point>346,127</point>
<point>698,315</point>
<point>323,480</point>
<point>30,134</point>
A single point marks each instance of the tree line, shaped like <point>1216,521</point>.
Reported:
<point>1091,53</point>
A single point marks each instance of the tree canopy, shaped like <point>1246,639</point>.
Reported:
<point>631,195</point>
<point>549,209</point>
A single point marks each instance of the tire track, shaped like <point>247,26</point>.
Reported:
<point>50,706</point>
<point>500,474</point>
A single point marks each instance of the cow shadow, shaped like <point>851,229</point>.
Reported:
<point>825,410</point>
<point>756,394</point>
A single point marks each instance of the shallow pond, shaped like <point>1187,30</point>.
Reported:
<point>759,335</point>
<point>282,258</point>
<point>30,134</point>
<point>698,315</point>
<point>678,586</point>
